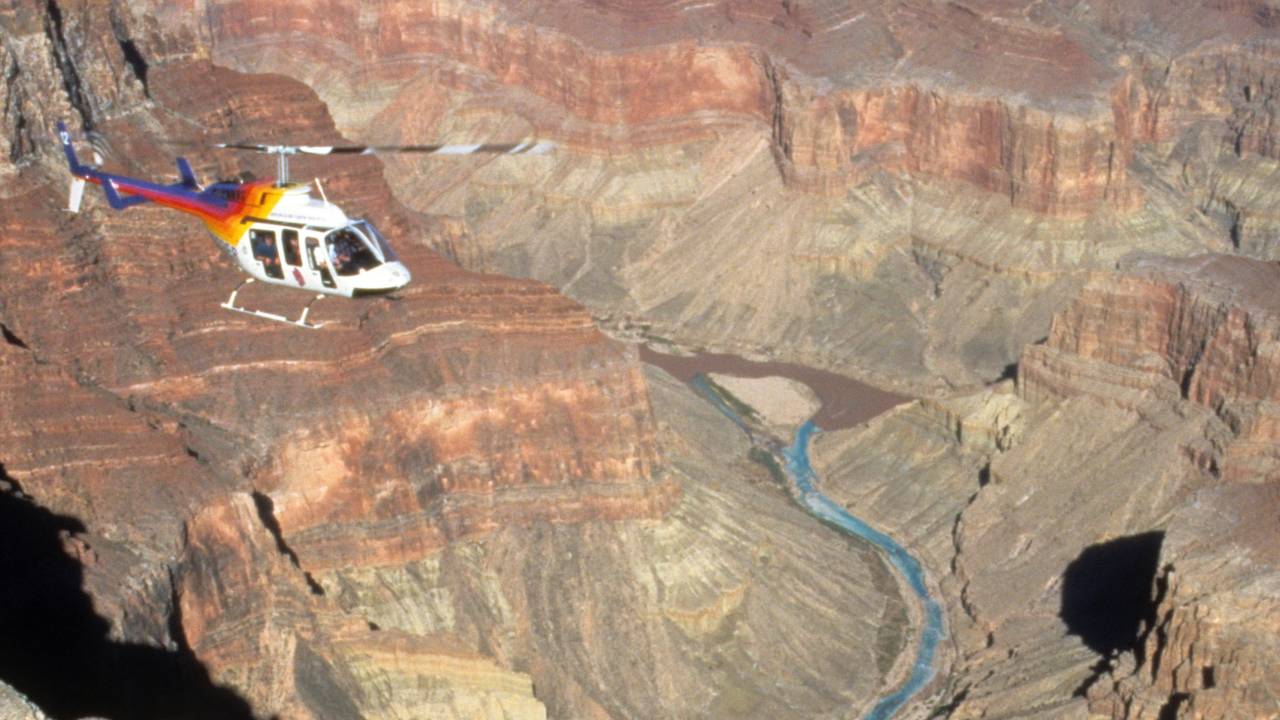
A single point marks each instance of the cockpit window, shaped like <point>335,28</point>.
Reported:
<point>350,252</point>
<point>371,232</point>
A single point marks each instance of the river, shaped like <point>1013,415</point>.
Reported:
<point>856,403</point>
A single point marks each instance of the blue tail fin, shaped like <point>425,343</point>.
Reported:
<point>65,137</point>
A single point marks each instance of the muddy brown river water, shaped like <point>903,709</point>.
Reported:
<point>845,402</point>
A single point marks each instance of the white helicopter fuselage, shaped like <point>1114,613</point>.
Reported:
<point>309,243</point>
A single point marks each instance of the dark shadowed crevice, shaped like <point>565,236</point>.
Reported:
<point>53,28</point>
<point>56,650</point>
<point>10,338</point>
<point>944,710</point>
<point>20,143</point>
<point>1100,668</point>
<point>1107,592</point>
<point>1140,648</point>
<point>1187,376</point>
<point>1170,709</point>
<point>136,62</point>
<point>267,514</point>
<point>129,48</point>
<point>1009,372</point>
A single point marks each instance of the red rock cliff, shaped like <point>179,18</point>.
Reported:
<point>1204,328</point>
<point>133,403</point>
<point>1039,109</point>
<point>1042,159</point>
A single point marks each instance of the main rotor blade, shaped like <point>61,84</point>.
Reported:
<point>528,147</point>
<point>246,146</point>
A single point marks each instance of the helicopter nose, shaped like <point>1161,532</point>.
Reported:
<point>398,274</point>
<point>382,279</point>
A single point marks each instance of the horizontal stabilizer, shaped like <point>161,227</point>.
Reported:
<point>116,201</point>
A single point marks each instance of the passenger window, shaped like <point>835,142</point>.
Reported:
<point>264,250</point>
<point>291,254</point>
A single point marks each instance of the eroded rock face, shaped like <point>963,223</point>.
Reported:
<point>1210,652</point>
<point>380,441</point>
<point>937,179</point>
<point>262,504</point>
<point>1198,332</point>
<point>1108,528</point>
<point>1204,329</point>
<point>833,81</point>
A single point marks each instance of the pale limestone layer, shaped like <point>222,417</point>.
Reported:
<point>402,678</point>
<point>782,403</point>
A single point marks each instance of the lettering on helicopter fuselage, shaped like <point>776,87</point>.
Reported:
<point>253,219</point>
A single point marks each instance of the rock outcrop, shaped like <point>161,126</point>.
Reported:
<point>461,501</point>
<point>453,501</point>
<point>1210,652</point>
<point>1108,527</point>
<point>647,85</point>
<point>1205,329</point>
<point>956,167</point>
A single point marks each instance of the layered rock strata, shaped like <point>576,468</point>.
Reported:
<point>427,506</point>
<point>1210,652</point>
<point>659,78</point>
<point>971,161</point>
<point>1130,443</point>
<point>835,83</point>
<point>1203,329</point>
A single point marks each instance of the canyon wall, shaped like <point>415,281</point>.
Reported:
<point>1203,329</point>
<point>454,500</point>
<point>958,168</point>
<point>1210,651</point>
<point>1044,117</point>
<point>1134,455</point>
<point>664,88</point>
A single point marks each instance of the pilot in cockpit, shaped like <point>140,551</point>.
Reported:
<point>340,252</point>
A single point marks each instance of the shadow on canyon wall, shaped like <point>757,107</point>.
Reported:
<point>55,649</point>
<point>1108,592</point>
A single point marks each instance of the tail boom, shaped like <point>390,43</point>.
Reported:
<point>221,214</point>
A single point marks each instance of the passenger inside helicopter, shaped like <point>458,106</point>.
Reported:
<point>264,250</point>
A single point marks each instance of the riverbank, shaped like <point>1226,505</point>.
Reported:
<point>846,402</point>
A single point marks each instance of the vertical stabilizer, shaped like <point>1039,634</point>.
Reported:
<point>188,176</point>
<point>65,138</point>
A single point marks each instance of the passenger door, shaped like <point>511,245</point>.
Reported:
<point>293,267</point>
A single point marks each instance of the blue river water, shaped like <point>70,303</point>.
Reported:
<point>801,473</point>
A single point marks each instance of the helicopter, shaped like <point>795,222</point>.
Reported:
<point>275,230</point>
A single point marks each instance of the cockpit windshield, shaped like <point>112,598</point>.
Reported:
<point>350,251</point>
<point>381,246</point>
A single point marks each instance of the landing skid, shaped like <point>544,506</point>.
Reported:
<point>230,304</point>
